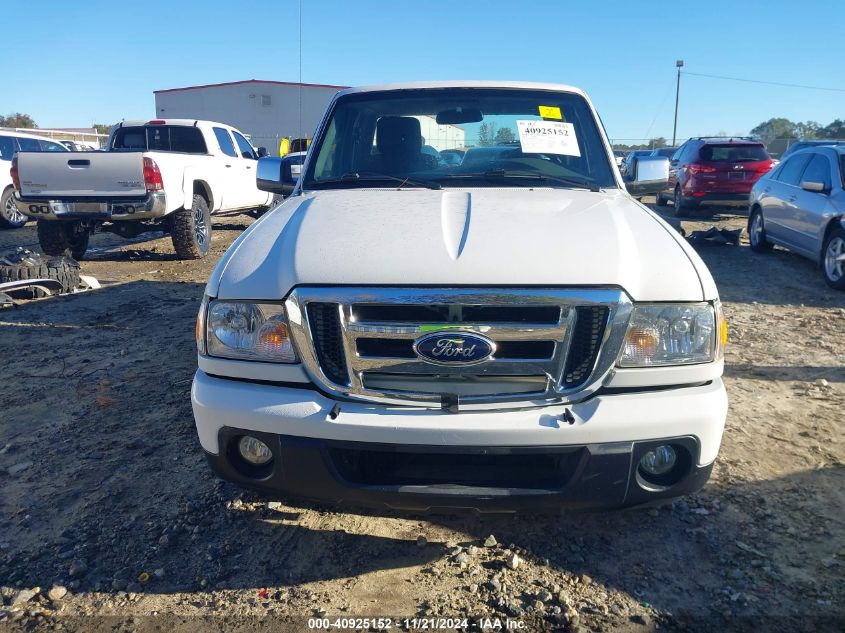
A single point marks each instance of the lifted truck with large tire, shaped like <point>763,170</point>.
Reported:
<point>162,175</point>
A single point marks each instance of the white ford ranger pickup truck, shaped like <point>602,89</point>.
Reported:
<point>512,333</point>
<point>165,174</point>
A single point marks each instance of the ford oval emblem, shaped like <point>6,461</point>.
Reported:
<point>450,347</point>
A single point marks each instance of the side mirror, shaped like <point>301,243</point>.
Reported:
<point>262,152</point>
<point>816,187</point>
<point>268,175</point>
<point>648,174</point>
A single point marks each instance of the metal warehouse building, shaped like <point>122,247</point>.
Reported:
<point>266,110</point>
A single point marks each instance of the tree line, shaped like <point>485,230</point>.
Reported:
<point>17,119</point>
<point>20,120</point>
<point>653,143</point>
<point>491,134</point>
<point>781,128</point>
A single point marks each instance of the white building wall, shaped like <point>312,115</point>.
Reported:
<point>269,111</point>
<point>266,111</point>
<point>441,137</point>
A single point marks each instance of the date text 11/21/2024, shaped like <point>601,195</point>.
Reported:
<point>417,624</point>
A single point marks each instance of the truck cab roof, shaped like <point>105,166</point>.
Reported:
<point>185,122</point>
<point>420,85</point>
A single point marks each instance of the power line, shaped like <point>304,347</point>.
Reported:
<point>659,110</point>
<point>768,83</point>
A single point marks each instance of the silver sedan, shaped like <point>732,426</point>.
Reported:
<point>800,205</point>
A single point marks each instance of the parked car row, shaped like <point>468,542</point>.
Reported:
<point>796,202</point>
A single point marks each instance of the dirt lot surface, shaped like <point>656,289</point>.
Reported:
<point>107,507</point>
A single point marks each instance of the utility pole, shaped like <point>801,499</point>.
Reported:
<point>679,64</point>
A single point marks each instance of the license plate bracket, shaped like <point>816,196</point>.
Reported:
<point>92,209</point>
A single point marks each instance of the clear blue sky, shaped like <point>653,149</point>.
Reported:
<point>74,63</point>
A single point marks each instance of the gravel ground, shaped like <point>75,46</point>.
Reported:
<point>108,513</point>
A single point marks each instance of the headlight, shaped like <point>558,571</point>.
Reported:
<point>249,331</point>
<point>670,334</point>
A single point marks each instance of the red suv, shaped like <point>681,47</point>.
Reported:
<point>714,170</point>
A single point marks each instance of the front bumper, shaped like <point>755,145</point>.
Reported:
<point>409,458</point>
<point>429,479</point>
<point>152,205</point>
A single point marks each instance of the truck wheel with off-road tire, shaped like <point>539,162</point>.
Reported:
<point>10,217</point>
<point>23,264</point>
<point>191,230</point>
<point>63,239</point>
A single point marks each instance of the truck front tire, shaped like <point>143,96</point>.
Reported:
<point>191,232</point>
<point>63,239</point>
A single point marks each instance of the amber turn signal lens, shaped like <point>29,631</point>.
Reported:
<point>274,337</point>
<point>643,341</point>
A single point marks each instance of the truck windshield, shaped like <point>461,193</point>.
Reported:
<point>459,137</point>
<point>159,138</point>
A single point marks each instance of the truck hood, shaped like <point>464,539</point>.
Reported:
<point>478,237</point>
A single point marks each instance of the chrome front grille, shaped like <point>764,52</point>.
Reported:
<point>550,344</point>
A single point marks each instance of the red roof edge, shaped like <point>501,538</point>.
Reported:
<point>250,81</point>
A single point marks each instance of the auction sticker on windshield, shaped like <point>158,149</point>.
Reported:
<point>548,137</point>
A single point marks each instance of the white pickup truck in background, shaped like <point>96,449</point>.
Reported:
<point>166,174</point>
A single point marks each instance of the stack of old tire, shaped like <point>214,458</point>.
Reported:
<point>23,264</point>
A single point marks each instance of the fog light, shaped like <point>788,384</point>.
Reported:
<point>254,450</point>
<point>659,461</point>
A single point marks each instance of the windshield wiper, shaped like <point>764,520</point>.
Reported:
<point>355,176</point>
<point>501,174</point>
